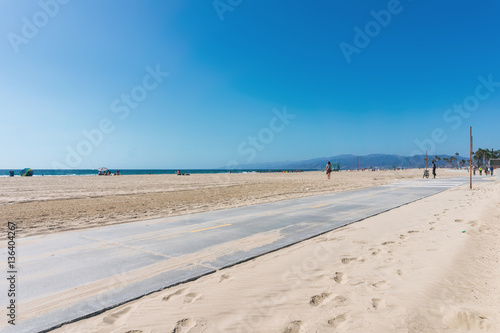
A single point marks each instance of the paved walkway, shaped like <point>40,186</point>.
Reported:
<point>66,276</point>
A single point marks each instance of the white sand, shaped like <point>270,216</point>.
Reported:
<point>412,269</point>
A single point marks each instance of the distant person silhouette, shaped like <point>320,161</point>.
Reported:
<point>328,169</point>
<point>434,169</point>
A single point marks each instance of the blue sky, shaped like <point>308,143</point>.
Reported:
<point>75,67</point>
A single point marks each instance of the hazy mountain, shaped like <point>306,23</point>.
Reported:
<point>380,161</point>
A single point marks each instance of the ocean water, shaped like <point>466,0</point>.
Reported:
<point>94,172</point>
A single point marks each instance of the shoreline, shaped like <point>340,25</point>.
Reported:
<point>161,172</point>
<point>147,172</point>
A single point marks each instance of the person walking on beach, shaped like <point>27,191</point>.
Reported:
<point>328,169</point>
<point>434,169</point>
<point>491,170</point>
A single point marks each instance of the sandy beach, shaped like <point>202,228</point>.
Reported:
<point>430,266</point>
<point>43,205</point>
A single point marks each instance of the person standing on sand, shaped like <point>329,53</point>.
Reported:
<point>491,170</point>
<point>328,169</point>
<point>434,169</point>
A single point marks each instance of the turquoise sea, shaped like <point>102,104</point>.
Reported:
<point>93,172</point>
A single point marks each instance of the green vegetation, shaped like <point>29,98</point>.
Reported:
<point>480,157</point>
<point>483,156</point>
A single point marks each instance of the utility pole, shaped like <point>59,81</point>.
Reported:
<point>470,159</point>
<point>426,159</point>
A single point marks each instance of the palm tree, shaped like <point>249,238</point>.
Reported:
<point>478,156</point>
<point>437,158</point>
<point>452,159</point>
<point>488,155</point>
<point>483,156</point>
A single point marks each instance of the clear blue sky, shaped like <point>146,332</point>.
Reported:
<point>68,68</point>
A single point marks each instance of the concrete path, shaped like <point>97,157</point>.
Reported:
<point>72,275</point>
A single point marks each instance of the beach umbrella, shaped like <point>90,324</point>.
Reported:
<point>27,172</point>
<point>102,169</point>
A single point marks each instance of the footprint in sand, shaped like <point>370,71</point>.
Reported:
<point>413,231</point>
<point>190,325</point>
<point>339,300</point>
<point>322,239</point>
<point>317,300</point>
<point>112,318</point>
<point>377,303</point>
<point>400,272</point>
<point>432,228</point>
<point>191,298</point>
<point>339,277</point>
<point>177,293</point>
<point>388,243</point>
<point>465,320</point>
<point>337,321</point>
<point>484,230</point>
<point>379,284</point>
<point>351,259</point>
<point>356,281</point>
<point>431,223</point>
<point>293,327</point>
<point>472,223</point>
<point>135,331</point>
<point>459,220</point>
<point>375,251</point>
<point>389,260</point>
<point>225,277</point>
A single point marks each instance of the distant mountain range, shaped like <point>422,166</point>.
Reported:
<point>349,162</point>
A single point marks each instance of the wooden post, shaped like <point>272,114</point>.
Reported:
<point>470,159</point>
